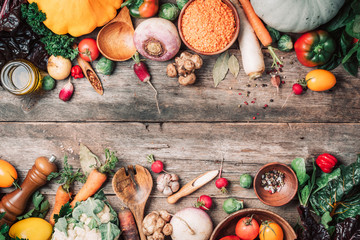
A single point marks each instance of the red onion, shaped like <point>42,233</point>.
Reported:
<point>157,39</point>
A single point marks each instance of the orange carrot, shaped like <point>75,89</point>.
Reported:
<point>66,178</point>
<point>61,198</point>
<point>93,183</point>
<point>127,225</point>
<point>260,30</point>
<point>96,178</point>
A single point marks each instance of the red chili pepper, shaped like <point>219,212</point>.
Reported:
<point>76,72</point>
<point>326,162</point>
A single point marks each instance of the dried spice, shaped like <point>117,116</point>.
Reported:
<point>273,181</point>
<point>234,66</point>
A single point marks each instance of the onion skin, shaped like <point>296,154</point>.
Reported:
<point>160,35</point>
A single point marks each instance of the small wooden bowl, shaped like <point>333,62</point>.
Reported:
<point>287,192</point>
<point>234,37</point>
<point>227,226</point>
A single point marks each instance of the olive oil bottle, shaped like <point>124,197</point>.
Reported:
<point>20,77</point>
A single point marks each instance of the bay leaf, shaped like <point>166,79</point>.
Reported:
<point>88,160</point>
<point>234,66</point>
<point>221,68</point>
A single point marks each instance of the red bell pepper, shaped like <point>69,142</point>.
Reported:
<point>76,72</point>
<point>326,162</point>
<point>314,48</point>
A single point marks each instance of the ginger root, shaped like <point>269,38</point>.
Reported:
<point>185,66</point>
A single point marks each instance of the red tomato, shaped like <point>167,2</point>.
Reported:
<point>88,49</point>
<point>247,228</point>
<point>230,238</point>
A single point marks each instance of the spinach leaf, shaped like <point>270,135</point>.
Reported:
<point>340,19</point>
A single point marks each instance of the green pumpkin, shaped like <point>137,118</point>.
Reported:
<point>296,15</point>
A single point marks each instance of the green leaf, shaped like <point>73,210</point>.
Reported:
<point>352,28</point>
<point>325,178</point>
<point>352,67</point>
<point>234,66</point>
<point>100,195</point>
<point>353,50</point>
<point>326,219</point>
<point>37,198</point>
<point>304,194</point>
<point>298,165</point>
<point>65,211</point>
<point>91,207</point>
<point>274,34</point>
<point>220,68</point>
<point>356,24</point>
<point>340,19</point>
<point>62,225</point>
<point>109,231</point>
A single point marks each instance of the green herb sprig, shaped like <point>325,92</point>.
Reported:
<point>54,44</point>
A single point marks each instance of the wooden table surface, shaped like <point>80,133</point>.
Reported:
<point>198,126</point>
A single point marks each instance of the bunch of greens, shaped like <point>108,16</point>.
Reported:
<point>54,44</point>
<point>335,197</point>
<point>344,28</point>
<point>40,209</point>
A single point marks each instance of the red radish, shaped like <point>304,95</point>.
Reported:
<point>297,89</point>
<point>142,73</point>
<point>204,202</point>
<point>156,166</point>
<point>222,183</point>
<point>66,92</point>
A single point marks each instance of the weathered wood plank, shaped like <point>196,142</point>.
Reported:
<point>187,149</point>
<point>127,99</point>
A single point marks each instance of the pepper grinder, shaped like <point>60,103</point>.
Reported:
<point>14,203</point>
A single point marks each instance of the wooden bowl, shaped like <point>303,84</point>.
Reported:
<point>234,37</point>
<point>287,192</point>
<point>227,226</point>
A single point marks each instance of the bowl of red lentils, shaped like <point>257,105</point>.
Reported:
<point>208,27</point>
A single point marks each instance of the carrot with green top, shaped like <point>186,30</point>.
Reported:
<point>260,30</point>
<point>66,178</point>
<point>96,178</point>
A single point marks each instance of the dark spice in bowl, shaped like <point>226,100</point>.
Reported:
<point>273,181</point>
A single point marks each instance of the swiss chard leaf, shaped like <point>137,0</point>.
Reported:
<point>337,190</point>
<point>298,165</point>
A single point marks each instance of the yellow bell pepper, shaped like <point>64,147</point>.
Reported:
<point>32,229</point>
<point>78,17</point>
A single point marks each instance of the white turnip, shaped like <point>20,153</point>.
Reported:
<point>191,224</point>
<point>58,67</point>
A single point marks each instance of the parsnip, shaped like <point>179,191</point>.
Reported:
<point>251,54</point>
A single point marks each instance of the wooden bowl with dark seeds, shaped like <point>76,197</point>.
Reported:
<point>287,192</point>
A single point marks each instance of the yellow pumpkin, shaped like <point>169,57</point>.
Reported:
<point>77,17</point>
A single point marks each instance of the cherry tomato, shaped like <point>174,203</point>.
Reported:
<point>270,231</point>
<point>8,174</point>
<point>320,80</point>
<point>88,49</point>
<point>230,238</point>
<point>247,228</point>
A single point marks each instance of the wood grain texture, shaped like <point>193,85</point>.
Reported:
<point>127,99</point>
<point>187,149</point>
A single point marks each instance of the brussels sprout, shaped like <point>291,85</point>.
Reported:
<point>48,83</point>
<point>232,205</point>
<point>275,34</point>
<point>285,43</point>
<point>181,3</point>
<point>105,66</point>
<point>169,11</point>
<point>245,180</point>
